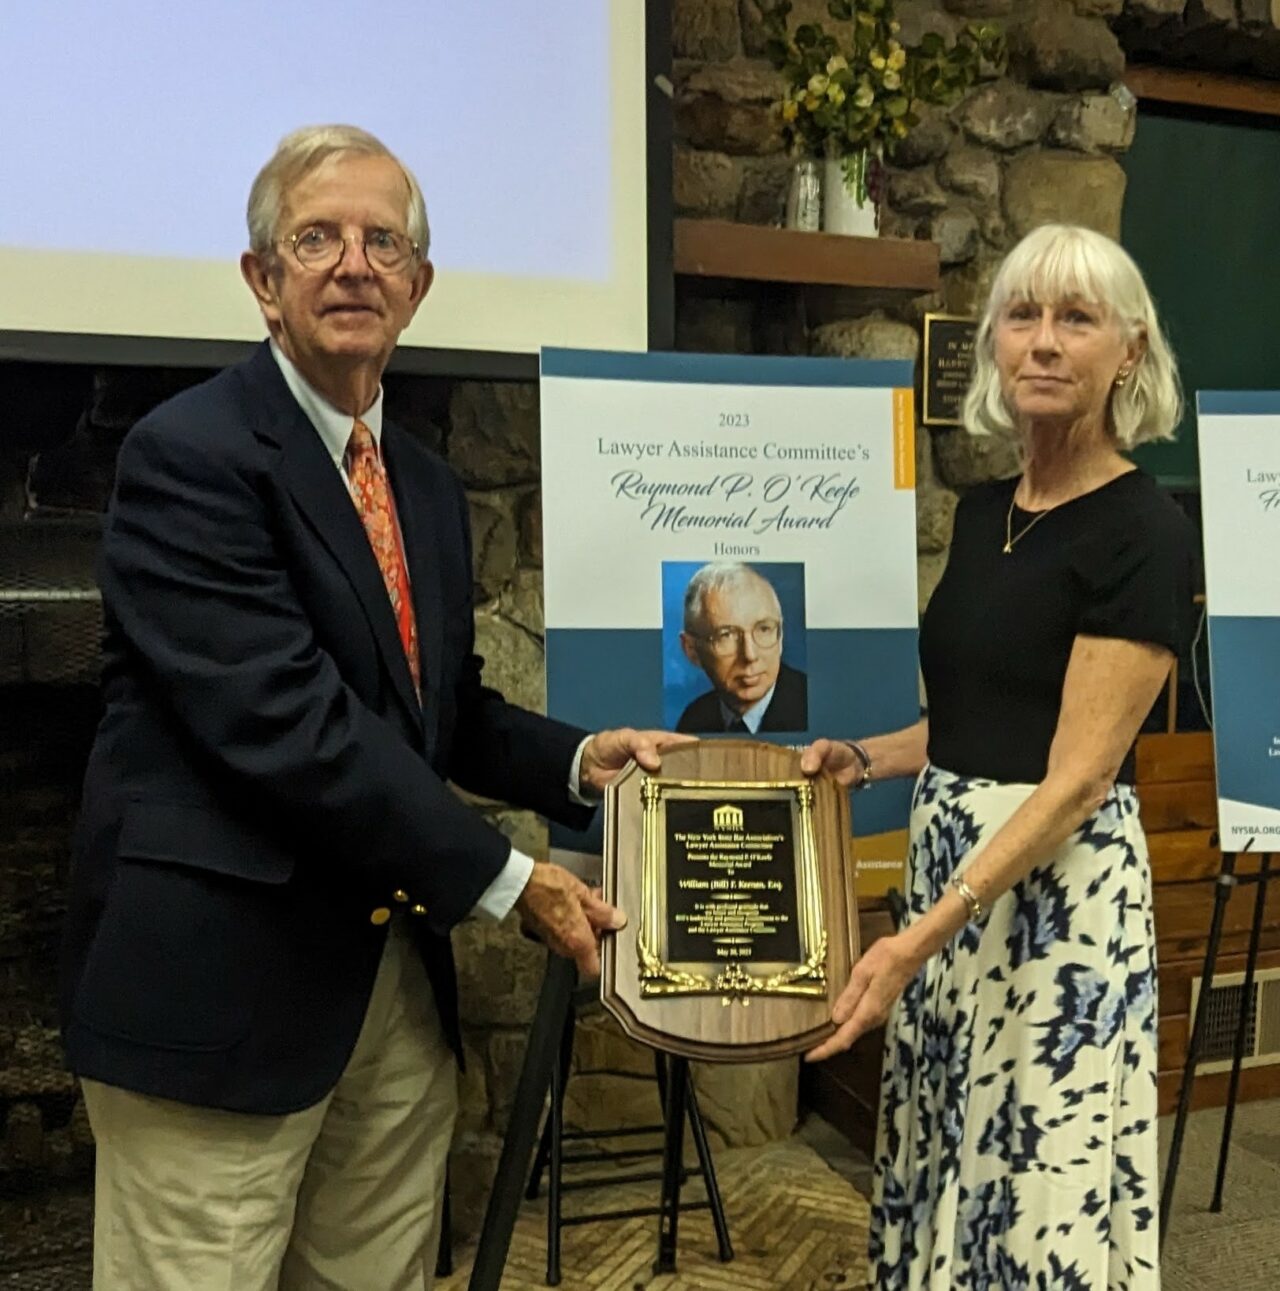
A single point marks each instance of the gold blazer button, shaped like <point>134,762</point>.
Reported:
<point>400,895</point>
<point>418,909</point>
<point>380,915</point>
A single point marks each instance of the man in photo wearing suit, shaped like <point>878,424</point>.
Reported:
<point>733,632</point>
<point>259,990</point>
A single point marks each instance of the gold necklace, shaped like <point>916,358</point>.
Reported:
<point>1009,536</point>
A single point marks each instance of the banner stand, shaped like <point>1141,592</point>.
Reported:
<point>1228,880</point>
<point>1239,436</point>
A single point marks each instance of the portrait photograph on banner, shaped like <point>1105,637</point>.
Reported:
<point>759,666</point>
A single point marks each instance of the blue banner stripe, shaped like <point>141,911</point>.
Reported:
<point>1243,402</point>
<point>1246,707</point>
<point>861,682</point>
<point>727,369</point>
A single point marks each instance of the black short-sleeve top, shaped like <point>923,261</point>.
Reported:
<point>1119,561</point>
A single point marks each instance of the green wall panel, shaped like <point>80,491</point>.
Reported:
<point>1202,219</point>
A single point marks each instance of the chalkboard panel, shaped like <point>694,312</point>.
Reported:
<point>1202,219</point>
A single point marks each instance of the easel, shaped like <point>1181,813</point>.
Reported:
<point>543,1071</point>
<point>1227,882</point>
<point>679,1103</point>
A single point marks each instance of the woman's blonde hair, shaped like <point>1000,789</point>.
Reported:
<point>1058,262</point>
<point>305,150</point>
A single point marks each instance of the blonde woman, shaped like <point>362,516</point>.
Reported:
<point>1016,1143</point>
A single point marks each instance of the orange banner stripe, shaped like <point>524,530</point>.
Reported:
<point>904,439</point>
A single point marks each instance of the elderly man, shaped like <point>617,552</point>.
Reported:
<point>733,632</point>
<point>259,991</point>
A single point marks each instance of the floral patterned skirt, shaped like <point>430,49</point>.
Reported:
<point>1016,1145</point>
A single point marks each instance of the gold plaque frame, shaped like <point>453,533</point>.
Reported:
<point>698,1023</point>
<point>734,982</point>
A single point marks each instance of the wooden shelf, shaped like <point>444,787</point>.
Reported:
<point>723,249</point>
<point>1204,89</point>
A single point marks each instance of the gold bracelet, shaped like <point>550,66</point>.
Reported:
<point>969,896</point>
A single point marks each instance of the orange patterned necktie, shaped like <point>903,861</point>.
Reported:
<point>368,480</point>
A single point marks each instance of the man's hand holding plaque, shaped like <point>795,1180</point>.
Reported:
<point>557,907</point>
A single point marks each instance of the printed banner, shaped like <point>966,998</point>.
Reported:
<point>729,543</point>
<point>1240,497</point>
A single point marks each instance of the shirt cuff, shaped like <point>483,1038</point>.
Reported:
<point>575,778</point>
<point>498,898</point>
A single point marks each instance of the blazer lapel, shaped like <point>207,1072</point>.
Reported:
<point>317,487</point>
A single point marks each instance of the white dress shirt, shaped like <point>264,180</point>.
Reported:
<point>753,716</point>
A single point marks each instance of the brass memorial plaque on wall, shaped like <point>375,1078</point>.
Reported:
<point>734,871</point>
<point>947,367</point>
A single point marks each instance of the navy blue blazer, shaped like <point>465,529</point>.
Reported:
<point>264,776</point>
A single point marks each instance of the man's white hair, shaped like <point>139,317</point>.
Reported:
<point>1060,262</point>
<point>306,150</point>
<point>720,576</point>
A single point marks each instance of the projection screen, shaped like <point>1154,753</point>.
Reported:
<point>130,132</point>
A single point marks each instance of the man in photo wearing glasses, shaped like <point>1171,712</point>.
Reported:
<point>259,991</point>
<point>733,632</point>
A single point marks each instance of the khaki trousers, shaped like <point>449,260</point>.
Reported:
<point>343,1196</point>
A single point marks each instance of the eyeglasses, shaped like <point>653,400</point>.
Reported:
<point>728,641</point>
<point>321,246</point>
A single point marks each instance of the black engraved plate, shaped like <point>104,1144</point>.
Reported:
<point>731,881</point>
<point>731,901</point>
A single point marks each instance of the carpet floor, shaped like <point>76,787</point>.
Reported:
<point>797,1215</point>
<point>794,1222</point>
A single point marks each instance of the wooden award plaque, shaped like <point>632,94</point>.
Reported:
<point>734,870</point>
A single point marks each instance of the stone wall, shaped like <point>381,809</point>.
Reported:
<point>1223,35</point>
<point>1035,144</point>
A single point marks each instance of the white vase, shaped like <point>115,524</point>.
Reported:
<point>850,194</point>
